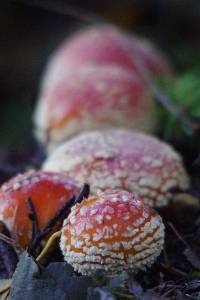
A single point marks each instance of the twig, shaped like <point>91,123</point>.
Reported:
<point>163,98</point>
<point>166,102</point>
<point>49,245</point>
<point>84,193</point>
<point>169,268</point>
<point>64,8</point>
<point>178,234</point>
<point>189,253</point>
<point>7,252</point>
<point>167,293</point>
<point>5,236</point>
<point>6,239</point>
<point>33,217</point>
<point>60,214</point>
<point>174,271</point>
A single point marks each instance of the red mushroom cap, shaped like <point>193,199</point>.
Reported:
<point>91,98</point>
<point>48,192</point>
<point>106,45</point>
<point>122,159</point>
<point>112,231</point>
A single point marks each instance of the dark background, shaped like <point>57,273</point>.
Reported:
<point>31,30</point>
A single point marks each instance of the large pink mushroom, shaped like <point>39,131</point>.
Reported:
<point>106,45</point>
<point>92,98</point>
<point>98,78</point>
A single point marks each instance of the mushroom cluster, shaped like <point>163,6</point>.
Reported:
<point>112,231</point>
<point>119,158</point>
<point>98,80</point>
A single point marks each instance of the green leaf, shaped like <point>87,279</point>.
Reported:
<point>184,92</point>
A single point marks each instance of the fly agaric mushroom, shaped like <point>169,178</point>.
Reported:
<point>118,158</point>
<point>48,192</point>
<point>92,98</point>
<point>105,45</point>
<point>112,231</point>
<point>94,80</point>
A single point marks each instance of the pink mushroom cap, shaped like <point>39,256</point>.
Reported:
<point>118,158</point>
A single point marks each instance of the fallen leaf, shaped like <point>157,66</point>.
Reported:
<point>55,282</point>
<point>5,289</point>
<point>4,285</point>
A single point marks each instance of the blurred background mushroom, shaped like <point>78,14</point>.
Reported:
<point>31,30</point>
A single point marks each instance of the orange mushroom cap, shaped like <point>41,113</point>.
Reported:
<point>112,231</point>
<point>48,192</point>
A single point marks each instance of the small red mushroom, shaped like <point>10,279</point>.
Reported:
<point>113,231</point>
<point>48,192</point>
<point>118,158</point>
<point>92,98</point>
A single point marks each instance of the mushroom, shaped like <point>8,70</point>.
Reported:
<point>113,231</point>
<point>105,45</point>
<point>92,98</point>
<point>97,79</point>
<point>119,158</point>
<point>48,192</point>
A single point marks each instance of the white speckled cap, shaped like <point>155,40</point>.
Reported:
<point>118,158</point>
<point>112,231</point>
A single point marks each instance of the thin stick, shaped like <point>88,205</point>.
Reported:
<point>7,252</point>
<point>163,98</point>
<point>166,102</point>
<point>33,217</point>
<point>177,234</point>
<point>60,214</point>
<point>84,193</point>
<point>64,8</point>
<point>7,240</point>
<point>173,270</point>
<point>49,245</point>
